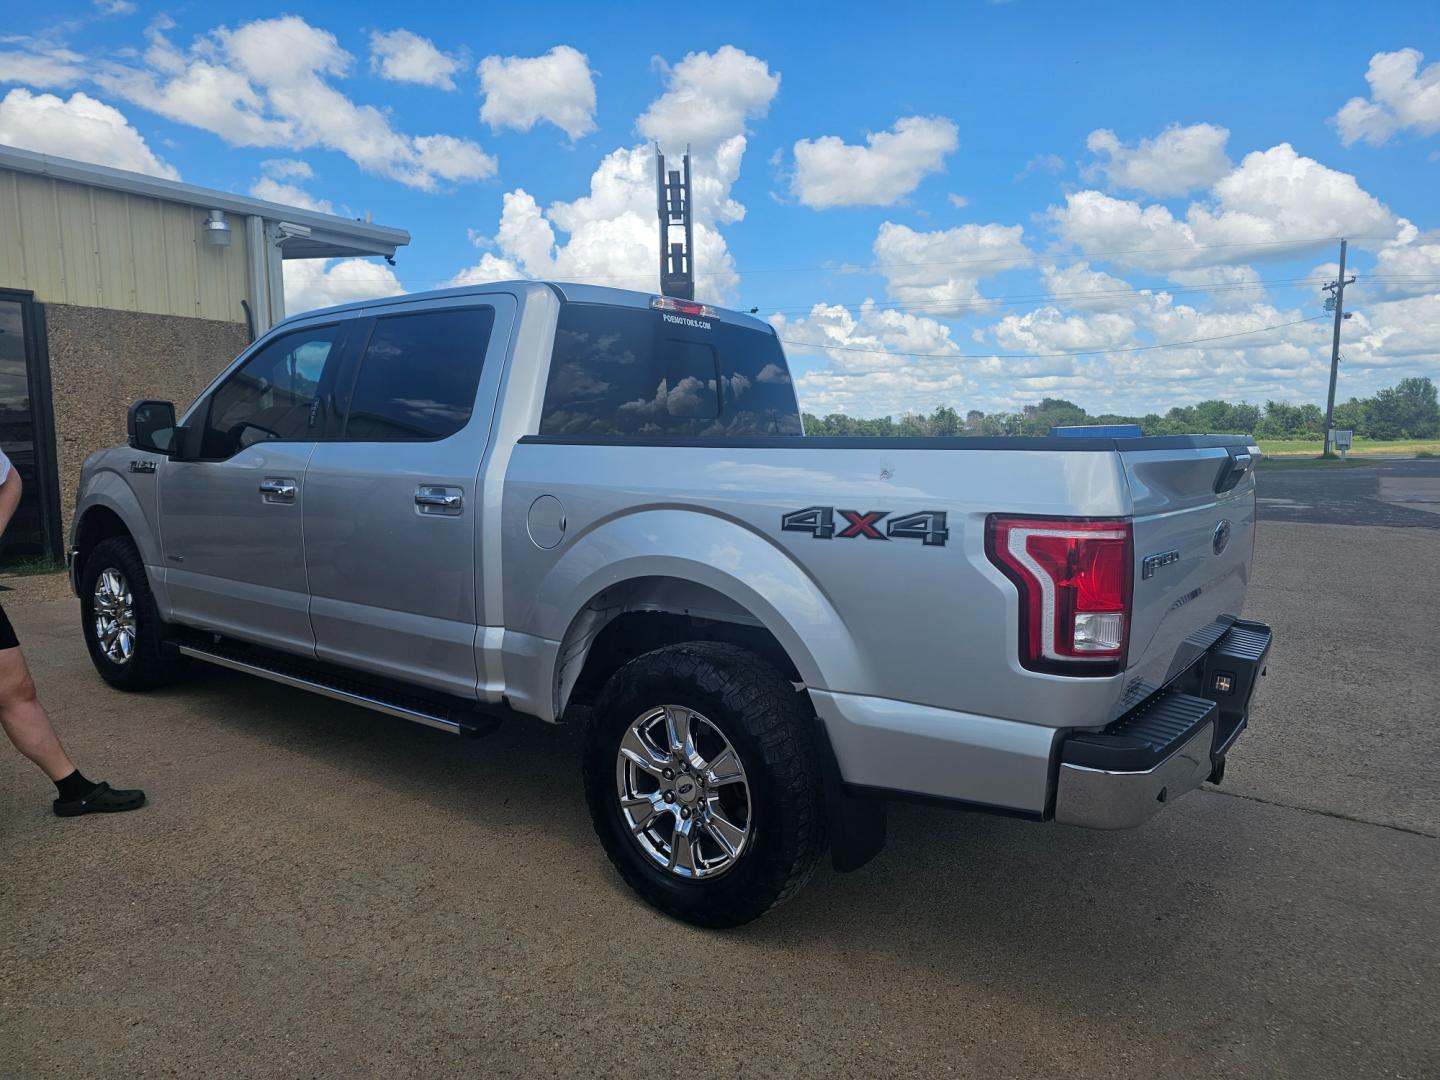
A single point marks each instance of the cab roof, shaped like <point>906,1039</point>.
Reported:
<point>567,291</point>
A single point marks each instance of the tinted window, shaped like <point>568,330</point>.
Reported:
<point>274,395</point>
<point>630,371</point>
<point>419,375</point>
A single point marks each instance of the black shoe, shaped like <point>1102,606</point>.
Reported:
<point>103,800</point>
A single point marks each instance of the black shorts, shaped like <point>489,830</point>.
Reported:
<point>8,640</point>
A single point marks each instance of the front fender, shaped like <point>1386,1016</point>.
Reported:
<point>706,549</point>
<point>134,499</point>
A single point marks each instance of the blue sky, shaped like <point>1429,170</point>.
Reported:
<point>978,205</point>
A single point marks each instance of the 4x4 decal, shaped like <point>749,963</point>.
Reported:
<point>927,526</point>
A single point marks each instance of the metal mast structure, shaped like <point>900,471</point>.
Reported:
<point>677,262</point>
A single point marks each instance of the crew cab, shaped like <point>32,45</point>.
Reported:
<point>579,504</point>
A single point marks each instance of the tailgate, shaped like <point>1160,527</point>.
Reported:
<point>1194,514</point>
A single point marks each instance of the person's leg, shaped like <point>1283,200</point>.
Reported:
<point>25,722</point>
<point>24,719</point>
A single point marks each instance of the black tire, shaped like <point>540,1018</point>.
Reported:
<point>768,727</point>
<point>150,663</point>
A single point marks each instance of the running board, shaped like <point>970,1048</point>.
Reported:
<point>295,673</point>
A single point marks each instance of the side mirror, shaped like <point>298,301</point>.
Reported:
<point>151,426</point>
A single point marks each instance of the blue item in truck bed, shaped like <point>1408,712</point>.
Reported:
<point>1098,431</point>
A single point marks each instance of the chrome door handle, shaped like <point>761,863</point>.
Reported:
<point>277,490</point>
<point>438,500</point>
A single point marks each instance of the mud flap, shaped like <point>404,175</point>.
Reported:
<point>855,824</point>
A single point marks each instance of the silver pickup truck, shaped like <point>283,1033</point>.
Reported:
<point>575,503</point>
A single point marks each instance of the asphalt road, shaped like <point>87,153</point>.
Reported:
<point>1402,494</point>
<point>320,891</point>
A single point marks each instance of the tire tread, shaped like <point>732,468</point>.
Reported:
<point>773,714</point>
<point>151,666</point>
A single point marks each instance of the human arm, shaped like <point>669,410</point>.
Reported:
<point>9,498</point>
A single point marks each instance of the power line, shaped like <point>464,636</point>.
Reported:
<point>859,267</point>
<point>1046,355</point>
<point>1011,299</point>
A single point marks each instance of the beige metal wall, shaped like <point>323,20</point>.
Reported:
<point>73,244</point>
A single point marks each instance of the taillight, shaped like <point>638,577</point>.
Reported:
<point>1074,577</point>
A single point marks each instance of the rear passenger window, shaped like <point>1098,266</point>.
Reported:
<point>418,375</point>
<point>619,371</point>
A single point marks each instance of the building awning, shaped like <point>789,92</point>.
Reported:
<point>330,236</point>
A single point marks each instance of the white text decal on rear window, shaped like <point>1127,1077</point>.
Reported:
<point>683,321</point>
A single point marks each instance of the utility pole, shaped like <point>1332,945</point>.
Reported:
<point>1337,288</point>
<point>677,261</point>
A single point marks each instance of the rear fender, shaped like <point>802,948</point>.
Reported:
<point>707,550</point>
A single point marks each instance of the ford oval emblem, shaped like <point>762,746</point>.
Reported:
<point>1222,536</point>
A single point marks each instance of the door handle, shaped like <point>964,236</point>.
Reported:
<point>438,500</point>
<point>277,489</point>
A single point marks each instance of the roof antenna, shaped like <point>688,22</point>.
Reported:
<point>677,264</point>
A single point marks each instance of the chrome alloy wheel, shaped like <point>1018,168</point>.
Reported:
<point>683,792</point>
<point>114,616</point>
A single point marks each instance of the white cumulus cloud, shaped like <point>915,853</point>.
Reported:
<point>1274,202</point>
<point>830,172</point>
<point>869,372</point>
<point>404,56</point>
<point>318,283</point>
<point>521,91</point>
<point>709,99</point>
<point>608,236</point>
<point>1410,264</point>
<point>268,83</point>
<point>81,128</point>
<point>941,271</point>
<point>287,194</point>
<point>287,168</point>
<point>1403,96</point>
<point>41,66</point>
<point>1176,161</point>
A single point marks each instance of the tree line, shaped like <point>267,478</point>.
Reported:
<point>1407,410</point>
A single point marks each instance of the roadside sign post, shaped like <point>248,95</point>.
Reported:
<point>1343,440</point>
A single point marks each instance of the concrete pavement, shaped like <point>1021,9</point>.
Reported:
<point>316,890</point>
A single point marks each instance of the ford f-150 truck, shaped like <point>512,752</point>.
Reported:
<point>576,503</point>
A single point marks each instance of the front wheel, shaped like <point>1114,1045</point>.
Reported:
<point>121,621</point>
<point>703,782</point>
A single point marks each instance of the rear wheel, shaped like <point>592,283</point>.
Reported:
<point>121,621</point>
<point>703,782</point>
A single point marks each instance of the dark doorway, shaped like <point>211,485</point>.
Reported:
<point>27,431</point>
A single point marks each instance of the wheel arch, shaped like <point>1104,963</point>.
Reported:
<point>642,614</point>
<point>692,565</point>
<point>109,507</point>
<point>98,522</point>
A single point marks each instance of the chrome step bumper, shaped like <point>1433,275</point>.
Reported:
<point>1099,799</point>
<point>1169,744</point>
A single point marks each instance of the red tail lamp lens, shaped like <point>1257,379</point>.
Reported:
<point>1074,578</point>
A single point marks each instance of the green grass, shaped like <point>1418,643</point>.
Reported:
<point>1274,448</point>
<point>31,567</point>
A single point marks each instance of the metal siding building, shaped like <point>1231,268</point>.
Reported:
<point>116,286</point>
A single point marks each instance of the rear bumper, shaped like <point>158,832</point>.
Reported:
<point>1169,744</point>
